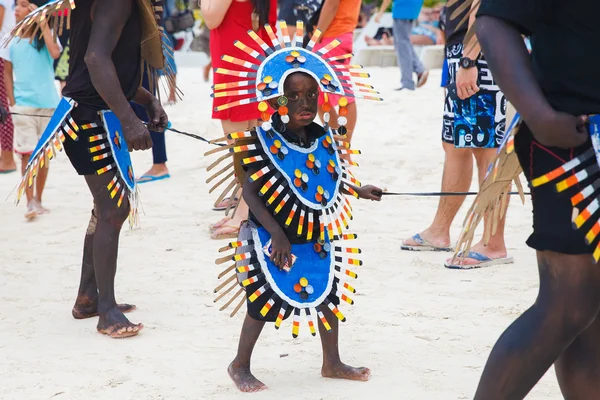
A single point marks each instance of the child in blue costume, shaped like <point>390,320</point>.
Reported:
<point>291,257</point>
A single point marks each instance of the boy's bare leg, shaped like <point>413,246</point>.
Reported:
<point>567,304</point>
<point>333,367</point>
<point>32,210</point>
<point>239,369</point>
<point>40,184</point>
<point>101,252</point>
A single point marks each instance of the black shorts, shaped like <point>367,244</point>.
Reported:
<point>552,211</point>
<point>79,152</point>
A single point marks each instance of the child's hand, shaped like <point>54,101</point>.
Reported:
<point>369,192</point>
<point>282,250</point>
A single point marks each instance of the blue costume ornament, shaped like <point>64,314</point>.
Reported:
<point>108,146</point>
<point>303,186</point>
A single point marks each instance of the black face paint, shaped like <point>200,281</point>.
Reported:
<point>302,92</point>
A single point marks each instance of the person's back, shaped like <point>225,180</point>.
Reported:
<point>126,57</point>
<point>33,75</point>
<point>345,19</point>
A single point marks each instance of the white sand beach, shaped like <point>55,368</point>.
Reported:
<point>425,331</point>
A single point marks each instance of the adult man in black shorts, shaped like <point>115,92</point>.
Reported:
<point>104,75</point>
<point>554,90</point>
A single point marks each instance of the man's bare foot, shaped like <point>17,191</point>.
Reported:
<point>343,371</point>
<point>87,308</point>
<point>428,240</point>
<point>114,324</point>
<point>244,380</point>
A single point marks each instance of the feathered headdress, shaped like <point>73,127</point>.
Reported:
<point>276,61</point>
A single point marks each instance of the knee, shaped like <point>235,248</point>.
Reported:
<point>110,212</point>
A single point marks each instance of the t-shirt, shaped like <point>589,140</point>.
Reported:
<point>9,21</point>
<point>406,9</point>
<point>345,19</point>
<point>126,57</point>
<point>33,72</point>
<point>314,132</point>
<point>565,39</point>
<point>454,33</point>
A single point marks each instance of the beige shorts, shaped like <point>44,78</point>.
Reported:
<point>28,130</point>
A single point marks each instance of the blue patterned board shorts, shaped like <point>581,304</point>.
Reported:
<point>476,122</point>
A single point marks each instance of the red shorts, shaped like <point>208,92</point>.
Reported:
<point>344,48</point>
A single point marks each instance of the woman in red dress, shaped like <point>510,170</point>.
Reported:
<point>230,20</point>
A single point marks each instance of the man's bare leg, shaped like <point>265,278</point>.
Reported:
<point>86,304</point>
<point>105,247</point>
<point>568,302</point>
<point>457,175</point>
<point>239,369</point>
<point>333,367</point>
<point>496,247</point>
<point>578,369</point>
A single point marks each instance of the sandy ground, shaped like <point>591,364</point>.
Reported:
<point>425,331</point>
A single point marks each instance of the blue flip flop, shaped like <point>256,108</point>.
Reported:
<point>7,171</point>
<point>423,245</point>
<point>150,178</point>
<point>484,261</point>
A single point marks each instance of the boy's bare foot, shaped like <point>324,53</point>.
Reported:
<point>114,324</point>
<point>40,208</point>
<point>87,308</point>
<point>32,211</point>
<point>244,380</point>
<point>343,371</point>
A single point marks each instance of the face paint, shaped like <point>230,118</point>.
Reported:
<point>302,92</point>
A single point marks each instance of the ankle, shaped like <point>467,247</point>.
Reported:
<point>238,363</point>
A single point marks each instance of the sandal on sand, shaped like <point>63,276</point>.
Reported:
<point>226,203</point>
<point>225,232</point>
<point>422,245</point>
<point>152,178</point>
<point>483,261</point>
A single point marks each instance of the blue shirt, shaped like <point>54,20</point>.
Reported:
<point>406,9</point>
<point>33,73</point>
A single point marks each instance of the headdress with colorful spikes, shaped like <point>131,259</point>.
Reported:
<point>277,61</point>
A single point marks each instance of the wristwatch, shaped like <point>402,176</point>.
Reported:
<point>466,63</point>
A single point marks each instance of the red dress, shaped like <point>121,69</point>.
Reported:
<point>235,26</point>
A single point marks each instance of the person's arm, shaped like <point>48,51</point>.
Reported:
<point>328,12</point>
<point>158,118</point>
<point>282,249</point>
<point>109,18</point>
<point>213,11</point>
<point>9,82</point>
<point>367,192</point>
<point>466,78</point>
<point>385,4</point>
<point>510,63</point>
<point>2,12</point>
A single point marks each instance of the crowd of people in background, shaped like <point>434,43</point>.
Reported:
<point>216,25</point>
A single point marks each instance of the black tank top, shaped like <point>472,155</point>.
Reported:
<point>126,57</point>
